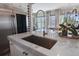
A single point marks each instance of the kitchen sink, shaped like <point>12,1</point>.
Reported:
<point>43,42</point>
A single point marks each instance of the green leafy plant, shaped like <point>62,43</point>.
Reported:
<point>66,28</point>
<point>73,30</point>
<point>68,25</point>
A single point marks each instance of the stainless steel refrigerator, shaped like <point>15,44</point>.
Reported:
<point>7,27</point>
<point>10,24</point>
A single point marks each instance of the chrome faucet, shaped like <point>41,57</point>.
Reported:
<point>44,33</point>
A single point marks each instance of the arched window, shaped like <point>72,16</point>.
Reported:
<point>40,20</point>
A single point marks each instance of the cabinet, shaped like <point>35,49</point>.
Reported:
<point>16,50</point>
<point>12,49</point>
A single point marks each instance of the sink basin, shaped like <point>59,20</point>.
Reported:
<point>43,42</point>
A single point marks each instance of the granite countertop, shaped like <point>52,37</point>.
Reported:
<point>63,47</point>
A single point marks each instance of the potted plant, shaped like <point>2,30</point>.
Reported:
<point>70,28</point>
<point>68,25</point>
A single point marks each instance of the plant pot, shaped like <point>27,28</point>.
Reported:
<point>75,37</point>
<point>64,32</point>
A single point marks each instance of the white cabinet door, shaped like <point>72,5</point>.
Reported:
<point>15,50</point>
<point>21,52</point>
<point>18,51</point>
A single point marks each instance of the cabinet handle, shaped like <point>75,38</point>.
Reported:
<point>25,53</point>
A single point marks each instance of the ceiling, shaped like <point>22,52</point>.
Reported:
<point>37,6</point>
<point>19,6</point>
<point>51,6</point>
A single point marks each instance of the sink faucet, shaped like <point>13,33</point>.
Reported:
<point>44,33</point>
